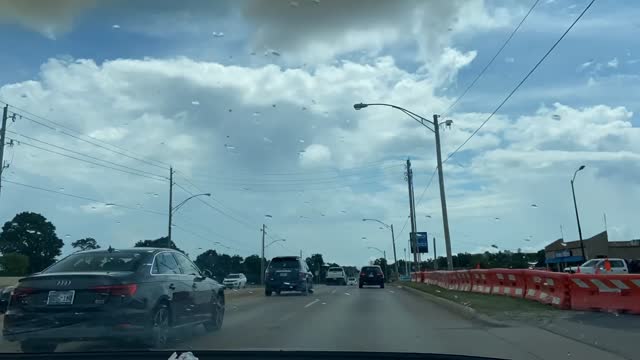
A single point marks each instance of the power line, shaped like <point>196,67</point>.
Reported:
<point>492,59</point>
<point>87,161</point>
<point>522,81</point>
<point>70,129</point>
<point>206,239</point>
<point>85,198</point>
<point>83,154</point>
<point>87,141</point>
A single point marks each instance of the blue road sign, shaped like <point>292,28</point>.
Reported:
<point>419,240</point>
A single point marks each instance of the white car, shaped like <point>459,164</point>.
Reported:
<point>618,266</point>
<point>235,281</point>
<point>352,281</point>
<point>336,275</point>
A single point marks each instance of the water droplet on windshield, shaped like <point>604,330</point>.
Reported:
<point>268,216</point>
<point>217,34</point>
<point>230,110</point>
<point>110,205</point>
<point>139,205</point>
<point>267,140</point>
<point>93,208</point>
<point>155,195</point>
<point>115,26</point>
<point>67,236</point>
<point>195,102</point>
<point>273,105</point>
<point>61,189</point>
<point>293,3</point>
<point>23,95</point>
<point>274,53</point>
<point>301,141</point>
<point>256,113</point>
<point>118,222</point>
<point>31,231</point>
<point>556,117</point>
<point>304,108</point>
<point>229,147</point>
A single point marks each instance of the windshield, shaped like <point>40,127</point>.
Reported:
<point>289,175</point>
<point>97,262</point>
<point>591,263</point>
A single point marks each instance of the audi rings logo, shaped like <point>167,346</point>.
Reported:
<point>63,282</point>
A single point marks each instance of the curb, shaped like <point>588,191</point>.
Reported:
<point>464,311</point>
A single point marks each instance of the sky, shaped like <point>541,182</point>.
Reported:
<point>252,102</point>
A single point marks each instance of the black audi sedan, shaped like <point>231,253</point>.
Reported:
<point>139,294</point>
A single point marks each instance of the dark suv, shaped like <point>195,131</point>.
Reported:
<point>288,273</point>
<point>138,294</point>
<point>371,275</point>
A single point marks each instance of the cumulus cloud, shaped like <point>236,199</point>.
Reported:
<point>315,155</point>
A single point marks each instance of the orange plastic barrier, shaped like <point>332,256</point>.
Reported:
<point>480,281</point>
<point>548,288</point>
<point>508,282</point>
<point>460,280</point>
<point>619,293</point>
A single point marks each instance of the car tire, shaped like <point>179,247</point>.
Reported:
<point>382,286</point>
<point>360,286</point>
<point>37,346</point>
<point>160,327</point>
<point>267,292</point>
<point>217,315</point>
<point>278,292</point>
<point>305,292</point>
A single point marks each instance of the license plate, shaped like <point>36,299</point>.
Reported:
<point>61,297</point>
<point>284,274</point>
<point>370,275</point>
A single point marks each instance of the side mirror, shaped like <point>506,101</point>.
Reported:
<point>207,273</point>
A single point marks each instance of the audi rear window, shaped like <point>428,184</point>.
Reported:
<point>98,262</point>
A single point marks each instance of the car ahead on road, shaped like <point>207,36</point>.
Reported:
<point>371,275</point>
<point>597,266</point>
<point>139,294</point>
<point>235,281</point>
<point>336,275</point>
<point>352,281</point>
<point>288,273</point>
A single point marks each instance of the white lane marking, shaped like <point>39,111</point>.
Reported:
<point>324,303</point>
<point>311,303</point>
<point>347,294</point>
<point>334,291</point>
<point>391,291</point>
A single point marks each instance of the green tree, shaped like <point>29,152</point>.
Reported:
<point>316,266</point>
<point>251,268</point>
<point>86,244</point>
<point>157,243</point>
<point>383,264</point>
<point>14,265</point>
<point>207,261</point>
<point>30,234</point>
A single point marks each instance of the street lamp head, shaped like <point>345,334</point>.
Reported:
<point>359,106</point>
<point>207,194</point>
<point>581,167</point>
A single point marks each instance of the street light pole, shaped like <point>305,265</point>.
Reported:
<point>575,206</point>
<point>262,257</point>
<point>173,209</point>
<point>393,242</point>
<point>443,199</point>
<point>436,130</point>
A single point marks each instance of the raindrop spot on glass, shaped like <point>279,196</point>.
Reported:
<point>67,236</point>
<point>301,141</point>
<point>556,117</point>
<point>217,34</point>
<point>195,102</point>
<point>293,3</point>
<point>256,113</point>
<point>229,147</point>
<point>115,26</point>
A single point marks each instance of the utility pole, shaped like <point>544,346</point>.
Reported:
<point>435,256</point>
<point>575,206</point>
<point>406,263</point>
<point>170,206</point>
<point>412,212</point>
<point>264,231</point>
<point>300,253</point>
<point>443,199</point>
<point>5,115</point>
<point>395,258</point>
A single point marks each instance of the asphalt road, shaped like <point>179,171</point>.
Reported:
<point>368,319</point>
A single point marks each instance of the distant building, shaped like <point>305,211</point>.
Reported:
<point>560,254</point>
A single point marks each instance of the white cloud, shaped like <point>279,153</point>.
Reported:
<point>613,63</point>
<point>315,155</point>
<point>50,18</point>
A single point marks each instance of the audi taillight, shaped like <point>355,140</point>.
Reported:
<point>117,290</point>
<point>19,293</point>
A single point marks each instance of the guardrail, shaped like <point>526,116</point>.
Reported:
<point>598,292</point>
